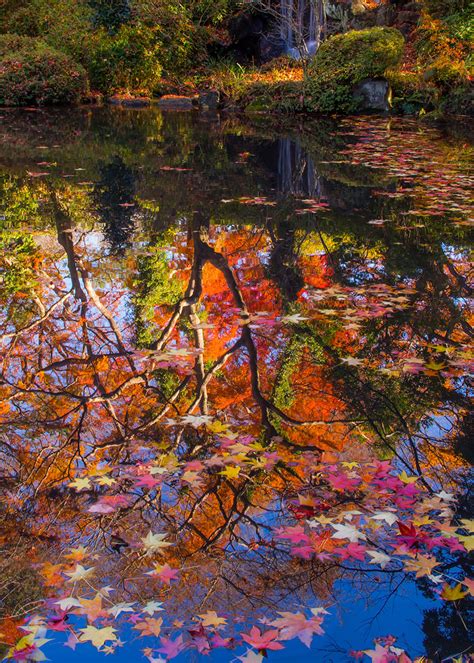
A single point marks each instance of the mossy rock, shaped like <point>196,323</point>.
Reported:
<point>343,61</point>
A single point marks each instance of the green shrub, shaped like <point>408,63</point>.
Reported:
<point>23,21</point>
<point>411,92</point>
<point>458,101</point>
<point>345,60</point>
<point>183,42</point>
<point>38,74</point>
<point>128,60</point>
<point>11,43</point>
<point>446,7</point>
<point>445,74</point>
<point>63,24</point>
<point>110,14</point>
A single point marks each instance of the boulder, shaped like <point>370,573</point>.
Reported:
<point>129,102</point>
<point>176,102</point>
<point>372,94</point>
<point>208,99</point>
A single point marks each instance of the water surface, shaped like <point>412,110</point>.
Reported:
<point>234,387</point>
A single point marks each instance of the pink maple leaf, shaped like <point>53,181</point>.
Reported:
<point>262,639</point>
<point>147,481</point>
<point>294,534</point>
<point>342,482</point>
<point>171,648</point>
<point>352,550</point>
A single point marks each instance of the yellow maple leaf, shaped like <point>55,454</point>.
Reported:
<point>80,483</point>
<point>150,626</point>
<point>403,476</point>
<point>98,636</point>
<point>468,524</point>
<point>423,565</point>
<point>80,573</point>
<point>467,541</point>
<point>422,520</point>
<point>231,472</point>
<point>210,618</point>
<point>217,427</point>
<point>92,607</point>
<point>77,554</point>
<point>453,593</point>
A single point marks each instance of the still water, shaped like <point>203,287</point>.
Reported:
<point>234,388</point>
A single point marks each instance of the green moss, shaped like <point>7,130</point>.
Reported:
<point>345,60</point>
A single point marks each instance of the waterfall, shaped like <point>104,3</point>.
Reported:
<point>301,24</point>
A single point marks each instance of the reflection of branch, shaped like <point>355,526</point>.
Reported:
<point>37,322</point>
<point>64,229</point>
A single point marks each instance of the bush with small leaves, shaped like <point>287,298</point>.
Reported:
<point>126,61</point>
<point>34,73</point>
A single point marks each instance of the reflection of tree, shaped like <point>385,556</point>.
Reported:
<point>448,628</point>
<point>114,202</point>
<point>445,631</point>
<point>283,263</point>
<point>262,349</point>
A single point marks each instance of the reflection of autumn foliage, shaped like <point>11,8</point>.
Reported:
<point>247,451</point>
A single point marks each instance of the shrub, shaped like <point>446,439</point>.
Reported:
<point>183,42</point>
<point>17,266</point>
<point>23,21</point>
<point>446,74</point>
<point>11,43</point>
<point>444,57</point>
<point>128,60</point>
<point>411,92</point>
<point>63,24</point>
<point>110,14</point>
<point>458,101</point>
<point>345,60</point>
<point>38,74</point>
<point>446,7</point>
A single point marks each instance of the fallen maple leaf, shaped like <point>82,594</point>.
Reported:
<point>98,636</point>
<point>262,640</point>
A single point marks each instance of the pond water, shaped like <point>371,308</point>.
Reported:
<point>234,388</point>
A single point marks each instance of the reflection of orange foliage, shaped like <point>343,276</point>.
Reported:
<point>316,271</point>
<point>315,400</point>
<point>10,631</point>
